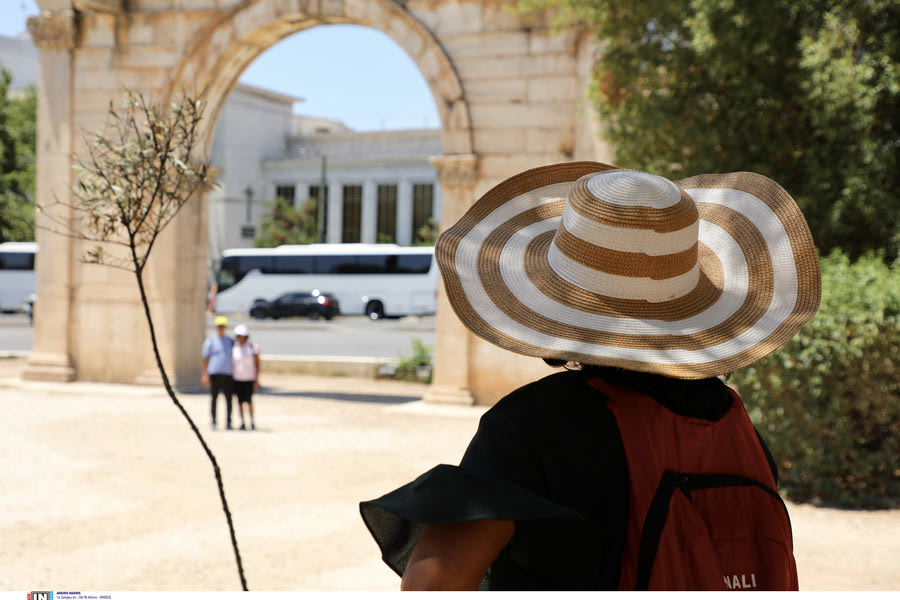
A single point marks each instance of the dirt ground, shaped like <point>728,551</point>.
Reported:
<point>106,488</point>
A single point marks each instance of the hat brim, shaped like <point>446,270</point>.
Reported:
<point>759,279</point>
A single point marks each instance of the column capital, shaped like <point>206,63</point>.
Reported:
<point>55,30</point>
<point>456,170</point>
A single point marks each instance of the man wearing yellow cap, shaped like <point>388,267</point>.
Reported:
<point>217,368</point>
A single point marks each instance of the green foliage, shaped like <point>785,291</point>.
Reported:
<point>420,357</point>
<point>828,402</point>
<point>288,224</point>
<point>806,92</point>
<point>415,367</point>
<point>427,234</point>
<point>136,176</point>
<point>18,136</point>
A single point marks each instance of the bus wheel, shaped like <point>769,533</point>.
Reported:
<point>375,310</point>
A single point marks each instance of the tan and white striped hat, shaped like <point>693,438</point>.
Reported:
<point>585,262</point>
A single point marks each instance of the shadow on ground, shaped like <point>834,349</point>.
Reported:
<point>343,396</point>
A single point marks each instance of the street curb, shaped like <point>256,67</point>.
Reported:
<point>330,366</point>
<point>334,366</point>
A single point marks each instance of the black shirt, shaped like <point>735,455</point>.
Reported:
<point>549,457</point>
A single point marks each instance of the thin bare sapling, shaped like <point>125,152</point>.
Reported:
<point>133,179</point>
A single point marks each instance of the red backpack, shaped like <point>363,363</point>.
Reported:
<point>709,516</point>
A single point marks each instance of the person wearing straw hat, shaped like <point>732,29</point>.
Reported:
<point>650,291</point>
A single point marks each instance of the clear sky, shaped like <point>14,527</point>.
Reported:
<point>366,79</point>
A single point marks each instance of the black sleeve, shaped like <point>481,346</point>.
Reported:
<point>539,458</point>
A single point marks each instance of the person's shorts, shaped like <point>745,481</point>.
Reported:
<point>221,383</point>
<point>244,391</point>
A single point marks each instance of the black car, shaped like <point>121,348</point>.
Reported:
<point>296,304</point>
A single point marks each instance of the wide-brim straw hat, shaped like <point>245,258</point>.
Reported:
<point>585,262</point>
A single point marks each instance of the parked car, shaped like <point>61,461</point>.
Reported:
<point>297,304</point>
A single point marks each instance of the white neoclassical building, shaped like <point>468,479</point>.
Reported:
<point>378,186</point>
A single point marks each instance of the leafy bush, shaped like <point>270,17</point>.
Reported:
<point>285,223</point>
<point>18,131</point>
<point>416,367</point>
<point>828,402</point>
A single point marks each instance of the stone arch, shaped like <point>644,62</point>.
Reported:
<point>225,47</point>
<point>510,93</point>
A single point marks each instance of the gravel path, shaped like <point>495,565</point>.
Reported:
<point>106,488</point>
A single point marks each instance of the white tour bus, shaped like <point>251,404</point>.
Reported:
<point>17,279</point>
<point>378,280</point>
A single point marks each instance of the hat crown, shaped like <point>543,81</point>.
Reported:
<point>628,235</point>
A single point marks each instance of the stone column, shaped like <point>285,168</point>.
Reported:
<point>369,213</point>
<point>451,383</point>
<point>404,212</point>
<point>55,35</point>
<point>335,211</point>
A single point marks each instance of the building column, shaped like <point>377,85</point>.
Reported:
<point>404,212</point>
<point>438,205</point>
<point>55,35</point>
<point>369,217</point>
<point>335,212</point>
<point>451,381</point>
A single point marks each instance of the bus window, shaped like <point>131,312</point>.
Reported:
<point>266,264</point>
<point>372,263</point>
<point>17,261</point>
<point>234,268</point>
<point>293,264</point>
<point>413,263</point>
<point>336,264</point>
<point>228,274</point>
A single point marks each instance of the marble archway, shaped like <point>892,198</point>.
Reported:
<point>510,95</point>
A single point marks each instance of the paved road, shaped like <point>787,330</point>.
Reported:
<point>16,334</point>
<point>343,336</point>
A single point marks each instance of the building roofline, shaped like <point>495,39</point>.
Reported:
<point>354,134</point>
<point>270,94</point>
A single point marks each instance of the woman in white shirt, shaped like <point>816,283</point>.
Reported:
<point>245,358</point>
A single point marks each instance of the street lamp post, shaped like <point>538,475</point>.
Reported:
<point>249,193</point>
<point>248,231</point>
<point>320,209</point>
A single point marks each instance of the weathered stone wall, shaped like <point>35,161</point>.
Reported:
<point>510,95</point>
